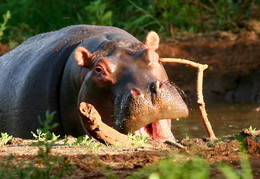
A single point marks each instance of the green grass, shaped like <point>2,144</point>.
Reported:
<point>6,17</point>
<point>41,136</point>
<point>44,165</point>
<point>5,138</point>
<point>88,142</point>
<point>244,173</point>
<point>44,138</point>
<point>192,167</point>
<point>137,140</point>
<point>251,129</point>
<point>177,166</point>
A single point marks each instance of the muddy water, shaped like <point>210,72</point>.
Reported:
<point>225,119</point>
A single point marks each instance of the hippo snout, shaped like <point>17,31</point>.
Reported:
<point>143,106</point>
<point>153,87</point>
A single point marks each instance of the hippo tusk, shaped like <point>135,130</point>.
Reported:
<point>99,130</point>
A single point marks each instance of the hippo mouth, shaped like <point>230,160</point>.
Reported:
<point>159,131</point>
<point>140,111</point>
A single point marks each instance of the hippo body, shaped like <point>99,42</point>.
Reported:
<point>104,66</point>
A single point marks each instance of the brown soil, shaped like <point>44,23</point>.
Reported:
<point>4,48</point>
<point>123,161</point>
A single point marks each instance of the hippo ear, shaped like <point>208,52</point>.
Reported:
<point>152,40</point>
<point>83,57</point>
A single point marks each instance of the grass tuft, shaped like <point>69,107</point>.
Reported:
<point>5,138</point>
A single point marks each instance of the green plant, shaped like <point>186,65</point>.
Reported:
<point>145,19</point>
<point>44,165</point>
<point>177,166</point>
<point>91,143</point>
<point>47,123</point>
<point>245,165</point>
<point>34,17</point>
<point>98,13</point>
<point>39,167</point>
<point>43,136</point>
<point>138,17</point>
<point>167,17</point>
<point>181,166</point>
<point>137,140</point>
<point>244,173</point>
<point>5,138</point>
<point>45,141</point>
<point>6,17</point>
<point>251,129</point>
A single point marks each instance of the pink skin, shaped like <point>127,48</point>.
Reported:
<point>159,131</point>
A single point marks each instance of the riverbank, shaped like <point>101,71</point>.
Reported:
<point>100,161</point>
<point>233,75</point>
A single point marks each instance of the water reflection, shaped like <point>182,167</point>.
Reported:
<point>225,119</point>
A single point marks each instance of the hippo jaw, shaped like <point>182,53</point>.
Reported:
<point>159,131</point>
<point>148,111</point>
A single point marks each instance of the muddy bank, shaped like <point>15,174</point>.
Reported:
<point>84,162</point>
<point>234,65</point>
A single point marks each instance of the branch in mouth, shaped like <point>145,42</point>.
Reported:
<point>102,132</point>
<point>99,130</point>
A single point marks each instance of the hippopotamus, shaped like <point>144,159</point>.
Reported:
<point>103,66</point>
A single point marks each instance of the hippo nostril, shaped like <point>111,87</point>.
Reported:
<point>135,92</point>
<point>158,85</point>
<point>155,86</point>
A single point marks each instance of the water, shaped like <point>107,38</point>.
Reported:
<point>225,119</point>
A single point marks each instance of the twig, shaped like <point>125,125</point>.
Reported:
<point>99,130</point>
<point>176,144</point>
<point>200,98</point>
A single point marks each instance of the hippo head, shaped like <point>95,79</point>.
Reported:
<point>130,89</point>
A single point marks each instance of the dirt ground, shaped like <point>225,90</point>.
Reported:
<point>123,161</point>
<point>233,76</point>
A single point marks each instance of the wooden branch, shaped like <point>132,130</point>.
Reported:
<point>99,130</point>
<point>176,144</point>
<point>200,98</point>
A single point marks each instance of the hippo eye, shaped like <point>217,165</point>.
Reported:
<point>98,70</point>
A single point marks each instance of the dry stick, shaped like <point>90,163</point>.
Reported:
<point>200,99</point>
<point>99,130</point>
<point>176,144</point>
